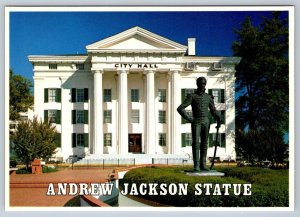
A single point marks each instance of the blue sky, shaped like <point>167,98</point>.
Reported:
<point>47,33</point>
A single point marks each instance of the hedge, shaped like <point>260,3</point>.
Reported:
<point>269,187</point>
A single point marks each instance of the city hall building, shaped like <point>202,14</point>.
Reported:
<point>121,97</point>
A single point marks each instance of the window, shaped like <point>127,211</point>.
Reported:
<point>107,95</point>
<point>107,139</point>
<point>107,116</point>
<point>186,139</point>
<point>162,95</point>
<point>221,140</point>
<point>80,140</point>
<point>53,66</point>
<point>218,95</point>
<point>161,116</point>
<point>80,95</point>
<point>52,95</point>
<point>80,66</point>
<point>80,116</point>
<point>162,139</point>
<point>135,116</point>
<point>52,116</point>
<point>190,113</point>
<point>185,92</point>
<point>135,95</point>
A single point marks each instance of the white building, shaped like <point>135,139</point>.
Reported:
<point>121,97</point>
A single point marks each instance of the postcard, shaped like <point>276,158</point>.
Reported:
<point>149,108</point>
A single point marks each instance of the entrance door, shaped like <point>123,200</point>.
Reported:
<point>135,143</point>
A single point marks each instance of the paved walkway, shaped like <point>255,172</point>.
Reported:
<point>30,190</point>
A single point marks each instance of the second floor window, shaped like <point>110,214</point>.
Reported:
<point>80,117</point>
<point>135,116</point>
<point>162,116</point>
<point>107,116</point>
<point>52,116</point>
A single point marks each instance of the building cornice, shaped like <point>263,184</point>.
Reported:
<point>58,59</point>
<point>208,59</point>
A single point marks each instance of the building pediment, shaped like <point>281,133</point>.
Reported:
<point>136,40</point>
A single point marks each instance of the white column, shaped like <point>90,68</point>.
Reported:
<point>230,116</point>
<point>175,117</point>
<point>150,113</point>
<point>123,112</point>
<point>169,118</point>
<point>98,112</point>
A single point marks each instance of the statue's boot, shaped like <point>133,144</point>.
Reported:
<point>203,160</point>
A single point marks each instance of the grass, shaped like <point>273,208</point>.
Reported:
<point>270,188</point>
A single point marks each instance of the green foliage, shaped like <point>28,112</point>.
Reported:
<point>262,87</point>
<point>20,96</point>
<point>269,187</point>
<point>24,171</point>
<point>34,139</point>
<point>47,169</point>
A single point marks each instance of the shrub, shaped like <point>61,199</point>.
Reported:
<point>269,187</point>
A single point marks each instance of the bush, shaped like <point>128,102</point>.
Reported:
<point>49,169</point>
<point>269,187</point>
<point>24,171</point>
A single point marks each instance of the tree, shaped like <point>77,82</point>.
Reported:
<point>20,97</point>
<point>262,84</point>
<point>34,139</point>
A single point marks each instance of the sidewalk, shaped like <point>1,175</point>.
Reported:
<point>30,190</point>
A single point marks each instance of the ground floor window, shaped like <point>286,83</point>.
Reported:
<point>107,139</point>
<point>186,139</point>
<point>221,140</point>
<point>162,139</point>
<point>52,116</point>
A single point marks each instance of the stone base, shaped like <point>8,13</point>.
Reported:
<point>205,173</point>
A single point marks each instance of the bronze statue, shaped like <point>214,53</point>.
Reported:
<point>201,103</point>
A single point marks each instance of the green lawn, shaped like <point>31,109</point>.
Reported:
<point>269,188</point>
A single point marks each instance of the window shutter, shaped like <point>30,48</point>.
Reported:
<point>73,94</point>
<point>86,116</point>
<point>73,116</point>
<point>58,116</point>
<point>223,140</point>
<point>222,96</point>
<point>58,95</point>
<point>223,116</point>
<point>210,92</point>
<point>86,94</point>
<point>74,140</point>
<point>183,142</point>
<point>182,95</point>
<point>46,95</point>
<point>210,140</point>
<point>86,140</point>
<point>46,115</point>
<point>58,140</point>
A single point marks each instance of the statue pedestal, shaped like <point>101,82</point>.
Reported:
<point>204,173</point>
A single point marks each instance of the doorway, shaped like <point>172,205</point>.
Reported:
<point>135,143</point>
